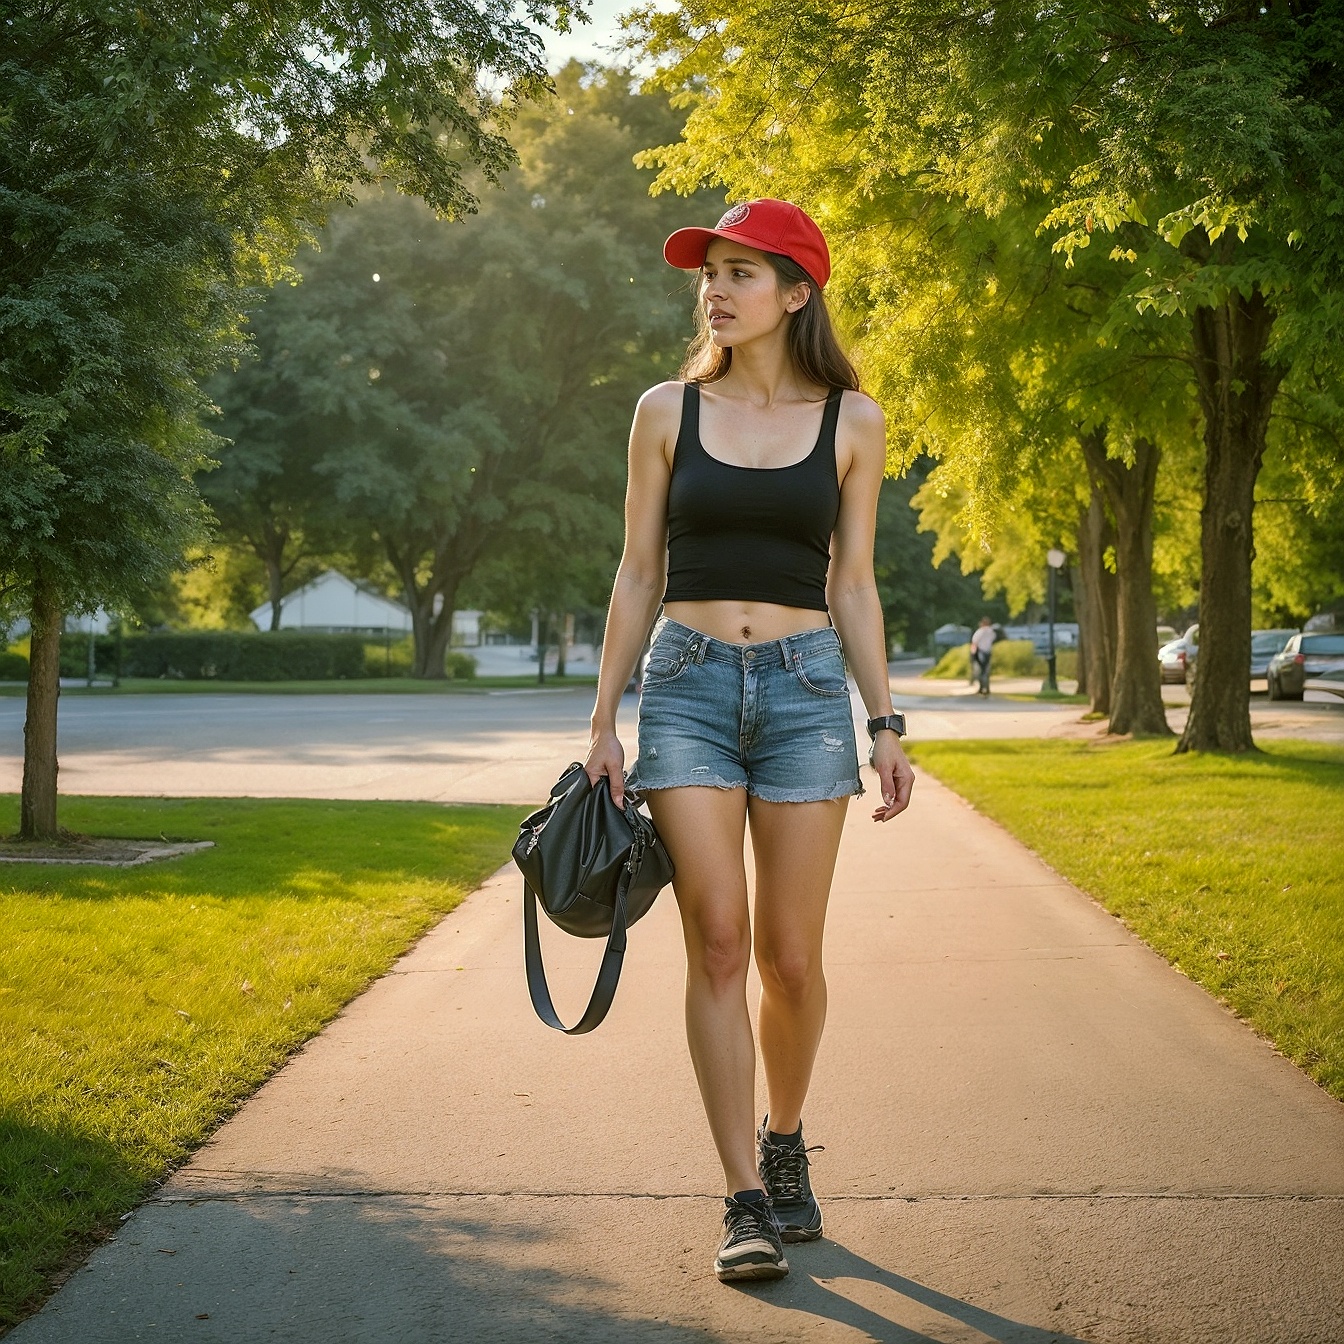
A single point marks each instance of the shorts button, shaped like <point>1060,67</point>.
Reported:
<point>750,655</point>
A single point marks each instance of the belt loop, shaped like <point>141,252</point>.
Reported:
<point>699,647</point>
<point>784,652</point>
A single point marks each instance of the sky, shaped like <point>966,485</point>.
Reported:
<point>587,40</point>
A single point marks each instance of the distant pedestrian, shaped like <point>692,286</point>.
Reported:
<point>982,643</point>
<point>750,513</point>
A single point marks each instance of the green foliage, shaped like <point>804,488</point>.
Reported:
<point>156,160</point>
<point>461,394</point>
<point>231,655</point>
<point>460,666</point>
<point>1228,866</point>
<point>918,595</point>
<point>13,666</point>
<point>139,1006</point>
<point>1026,258</point>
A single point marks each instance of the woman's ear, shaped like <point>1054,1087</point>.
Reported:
<point>798,298</point>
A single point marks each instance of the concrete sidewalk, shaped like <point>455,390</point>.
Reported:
<point>1035,1130</point>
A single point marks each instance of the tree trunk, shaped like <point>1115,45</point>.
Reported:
<point>1236,392</point>
<point>1136,686</point>
<point>1095,598</point>
<point>432,634</point>
<point>565,638</point>
<point>37,807</point>
<point>543,631</point>
<point>274,581</point>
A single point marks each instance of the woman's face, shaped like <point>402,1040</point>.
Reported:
<point>740,293</point>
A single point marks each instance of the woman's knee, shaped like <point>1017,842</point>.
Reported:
<point>719,950</point>
<point>793,973</point>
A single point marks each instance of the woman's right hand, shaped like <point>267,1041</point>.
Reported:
<point>607,757</point>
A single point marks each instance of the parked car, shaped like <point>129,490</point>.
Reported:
<point>1264,645</point>
<point>1307,662</point>
<point>1174,654</point>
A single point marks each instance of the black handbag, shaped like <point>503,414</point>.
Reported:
<point>596,869</point>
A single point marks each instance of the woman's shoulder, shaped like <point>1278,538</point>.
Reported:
<point>660,407</point>
<point>663,397</point>
<point>861,411</point>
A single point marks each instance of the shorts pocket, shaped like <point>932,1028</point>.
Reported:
<point>666,664</point>
<point>822,673</point>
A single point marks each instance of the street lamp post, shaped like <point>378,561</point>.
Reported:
<point>1055,559</point>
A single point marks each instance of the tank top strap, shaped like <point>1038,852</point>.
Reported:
<point>830,420</point>
<point>688,436</point>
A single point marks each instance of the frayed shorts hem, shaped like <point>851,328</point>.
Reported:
<point>844,789</point>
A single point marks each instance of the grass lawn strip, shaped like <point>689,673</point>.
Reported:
<point>1231,867</point>
<point>139,1006</point>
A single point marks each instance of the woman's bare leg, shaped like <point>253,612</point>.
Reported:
<point>795,845</point>
<point>704,829</point>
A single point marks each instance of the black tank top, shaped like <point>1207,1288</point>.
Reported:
<point>760,534</point>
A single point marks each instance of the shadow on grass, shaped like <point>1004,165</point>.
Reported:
<point>58,1191</point>
<point>290,848</point>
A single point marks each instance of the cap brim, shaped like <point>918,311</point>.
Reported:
<point>686,248</point>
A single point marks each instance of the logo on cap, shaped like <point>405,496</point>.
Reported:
<point>734,216</point>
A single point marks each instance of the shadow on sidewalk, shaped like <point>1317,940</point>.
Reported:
<point>360,1269</point>
<point>809,1289</point>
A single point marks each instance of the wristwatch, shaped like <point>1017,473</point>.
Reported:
<point>896,722</point>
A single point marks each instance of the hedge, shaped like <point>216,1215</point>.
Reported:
<point>13,666</point>
<point>75,655</point>
<point>1009,658</point>
<point>232,655</point>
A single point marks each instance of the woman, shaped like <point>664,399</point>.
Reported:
<point>750,514</point>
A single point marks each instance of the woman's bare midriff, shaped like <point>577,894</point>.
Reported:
<point>745,622</point>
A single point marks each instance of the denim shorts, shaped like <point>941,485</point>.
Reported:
<point>771,718</point>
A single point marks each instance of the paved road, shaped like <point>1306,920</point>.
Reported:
<point>498,746</point>
<point>1035,1130</point>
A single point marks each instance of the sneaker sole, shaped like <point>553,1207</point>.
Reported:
<point>758,1269</point>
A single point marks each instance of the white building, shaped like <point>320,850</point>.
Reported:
<point>335,605</point>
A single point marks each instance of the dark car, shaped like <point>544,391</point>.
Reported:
<point>1264,645</point>
<point>1315,661</point>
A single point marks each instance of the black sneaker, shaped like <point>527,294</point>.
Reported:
<point>785,1176</point>
<point>751,1246</point>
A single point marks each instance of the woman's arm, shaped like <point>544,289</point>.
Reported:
<point>851,592</point>
<point>641,578</point>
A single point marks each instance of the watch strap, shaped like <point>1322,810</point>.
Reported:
<point>896,722</point>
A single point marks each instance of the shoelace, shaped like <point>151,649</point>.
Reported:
<point>747,1220</point>
<point>784,1170</point>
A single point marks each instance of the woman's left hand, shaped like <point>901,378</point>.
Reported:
<point>895,774</point>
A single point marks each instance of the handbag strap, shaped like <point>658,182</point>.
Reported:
<point>608,974</point>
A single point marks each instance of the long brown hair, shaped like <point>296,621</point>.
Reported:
<point>812,340</point>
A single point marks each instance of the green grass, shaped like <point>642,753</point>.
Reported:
<point>139,1006</point>
<point>1053,697</point>
<point>363,686</point>
<point>1231,867</point>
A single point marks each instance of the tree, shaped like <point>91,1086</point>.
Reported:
<point>155,161</point>
<point>917,594</point>
<point>464,390</point>
<point>1202,139</point>
<point>263,490</point>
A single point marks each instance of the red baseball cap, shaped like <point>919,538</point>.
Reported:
<point>768,226</point>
